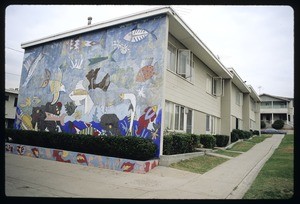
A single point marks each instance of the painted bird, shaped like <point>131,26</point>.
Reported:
<point>145,119</point>
<point>132,106</point>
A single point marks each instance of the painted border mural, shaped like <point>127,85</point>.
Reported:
<point>104,82</point>
<point>112,163</point>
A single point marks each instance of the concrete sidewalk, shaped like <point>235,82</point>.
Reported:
<point>26,176</point>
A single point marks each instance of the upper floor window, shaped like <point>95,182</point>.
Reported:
<point>238,98</point>
<point>214,85</point>
<point>253,105</point>
<point>279,104</point>
<point>181,62</point>
<point>266,104</point>
<point>16,102</point>
<point>6,97</point>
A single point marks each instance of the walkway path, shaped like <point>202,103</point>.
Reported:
<point>26,176</point>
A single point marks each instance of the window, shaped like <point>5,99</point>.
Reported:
<point>6,97</point>
<point>189,121</point>
<point>266,104</point>
<point>238,98</point>
<point>16,102</point>
<point>211,123</point>
<point>172,56</point>
<point>169,110</point>
<point>253,105</point>
<point>214,85</point>
<point>236,123</point>
<point>178,118</point>
<point>181,62</point>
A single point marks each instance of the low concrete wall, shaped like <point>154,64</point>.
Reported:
<point>113,163</point>
<point>167,160</point>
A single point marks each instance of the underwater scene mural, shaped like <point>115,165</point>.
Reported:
<point>105,162</point>
<point>104,82</point>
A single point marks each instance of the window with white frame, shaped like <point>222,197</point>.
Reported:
<point>238,98</point>
<point>169,112</point>
<point>172,57</point>
<point>214,85</point>
<point>253,105</point>
<point>181,62</point>
<point>211,123</point>
<point>178,118</point>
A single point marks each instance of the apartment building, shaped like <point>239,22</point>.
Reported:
<point>11,100</point>
<point>137,75</point>
<point>277,108</point>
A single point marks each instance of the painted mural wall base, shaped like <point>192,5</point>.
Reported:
<point>167,160</point>
<point>112,163</point>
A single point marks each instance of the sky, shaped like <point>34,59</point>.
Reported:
<point>257,41</point>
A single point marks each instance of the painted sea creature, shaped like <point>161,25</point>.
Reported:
<point>70,107</point>
<point>95,60</point>
<point>76,43</point>
<point>35,152</point>
<point>103,84</point>
<point>55,84</point>
<point>137,34</point>
<point>26,120</point>
<point>47,76</point>
<point>132,107</point>
<point>110,123</point>
<point>81,159</point>
<point>148,116</point>
<point>76,63</point>
<point>103,40</point>
<point>26,103</point>
<point>127,166</point>
<point>122,47</point>
<point>145,73</point>
<point>8,148</point>
<point>79,94</point>
<point>56,118</point>
<point>31,69</point>
<point>88,130</point>
<point>20,149</point>
<point>59,155</point>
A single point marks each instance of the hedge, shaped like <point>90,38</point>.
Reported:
<point>221,140</point>
<point>208,141</point>
<point>128,147</point>
<point>278,124</point>
<point>240,134</point>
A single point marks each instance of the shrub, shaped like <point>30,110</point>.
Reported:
<point>234,136</point>
<point>195,141</point>
<point>128,147</point>
<point>255,132</point>
<point>221,140</point>
<point>208,141</point>
<point>168,145</point>
<point>278,124</point>
<point>262,124</point>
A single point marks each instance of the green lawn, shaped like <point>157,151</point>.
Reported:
<point>276,178</point>
<point>244,146</point>
<point>200,164</point>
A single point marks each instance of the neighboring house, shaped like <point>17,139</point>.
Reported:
<point>11,99</point>
<point>137,75</point>
<point>277,108</point>
<point>245,103</point>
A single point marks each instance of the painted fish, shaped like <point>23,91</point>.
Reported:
<point>136,35</point>
<point>127,166</point>
<point>80,93</point>
<point>132,98</point>
<point>122,47</point>
<point>100,59</point>
<point>58,155</point>
<point>81,159</point>
<point>145,73</point>
<point>35,152</point>
<point>56,118</point>
<point>145,119</point>
<point>32,68</point>
<point>20,149</point>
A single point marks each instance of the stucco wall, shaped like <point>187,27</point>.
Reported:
<point>106,82</point>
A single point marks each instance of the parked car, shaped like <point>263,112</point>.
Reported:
<point>272,131</point>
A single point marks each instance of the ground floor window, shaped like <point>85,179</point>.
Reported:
<point>178,117</point>
<point>211,124</point>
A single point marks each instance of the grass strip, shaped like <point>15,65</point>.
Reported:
<point>276,178</point>
<point>200,164</point>
<point>227,153</point>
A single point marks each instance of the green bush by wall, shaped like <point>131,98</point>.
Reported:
<point>221,140</point>
<point>128,147</point>
<point>278,124</point>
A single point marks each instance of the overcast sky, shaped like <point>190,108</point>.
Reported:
<point>257,41</point>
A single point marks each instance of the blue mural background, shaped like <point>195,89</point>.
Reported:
<point>105,82</point>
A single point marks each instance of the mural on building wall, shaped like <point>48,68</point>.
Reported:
<point>113,163</point>
<point>105,82</point>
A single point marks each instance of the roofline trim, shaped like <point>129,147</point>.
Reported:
<point>96,26</point>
